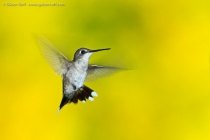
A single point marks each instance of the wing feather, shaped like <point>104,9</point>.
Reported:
<point>95,71</point>
<point>57,60</point>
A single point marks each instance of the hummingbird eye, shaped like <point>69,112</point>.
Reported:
<point>83,52</point>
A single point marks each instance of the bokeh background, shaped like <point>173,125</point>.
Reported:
<point>164,96</point>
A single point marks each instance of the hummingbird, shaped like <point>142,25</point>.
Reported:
<point>74,72</point>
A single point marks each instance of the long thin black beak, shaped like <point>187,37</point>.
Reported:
<point>99,50</point>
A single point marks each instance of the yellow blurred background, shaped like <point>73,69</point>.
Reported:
<point>165,95</point>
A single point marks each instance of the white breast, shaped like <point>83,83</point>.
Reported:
<point>77,78</point>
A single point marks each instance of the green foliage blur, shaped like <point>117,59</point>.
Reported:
<point>163,96</point>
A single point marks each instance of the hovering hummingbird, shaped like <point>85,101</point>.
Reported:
<point>74,72</point>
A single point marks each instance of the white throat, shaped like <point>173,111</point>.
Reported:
<point>82,63</point>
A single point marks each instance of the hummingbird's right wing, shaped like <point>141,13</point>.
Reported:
<point>56,59</point>
<point>95,71</point>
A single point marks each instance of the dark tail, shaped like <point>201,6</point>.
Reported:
<point>84,93</point>
<point>81,94</point>
<point>64,101</point>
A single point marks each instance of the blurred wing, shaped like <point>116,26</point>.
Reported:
<point>56,59</point>
<point>95,72</point>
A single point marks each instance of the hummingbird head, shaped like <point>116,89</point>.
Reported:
<point>84,53</point>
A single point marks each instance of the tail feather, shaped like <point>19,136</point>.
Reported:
<point>82,94</point>
<point>75,100</point>
<point>64,101</point>
<point>88,90</point>
<point>85,94</point>
<point>80,97</point>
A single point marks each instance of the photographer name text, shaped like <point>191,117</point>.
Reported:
<point>10,4</point>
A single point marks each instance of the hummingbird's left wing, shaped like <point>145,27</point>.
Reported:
<point>95,71</point>
<point>56,59</point>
